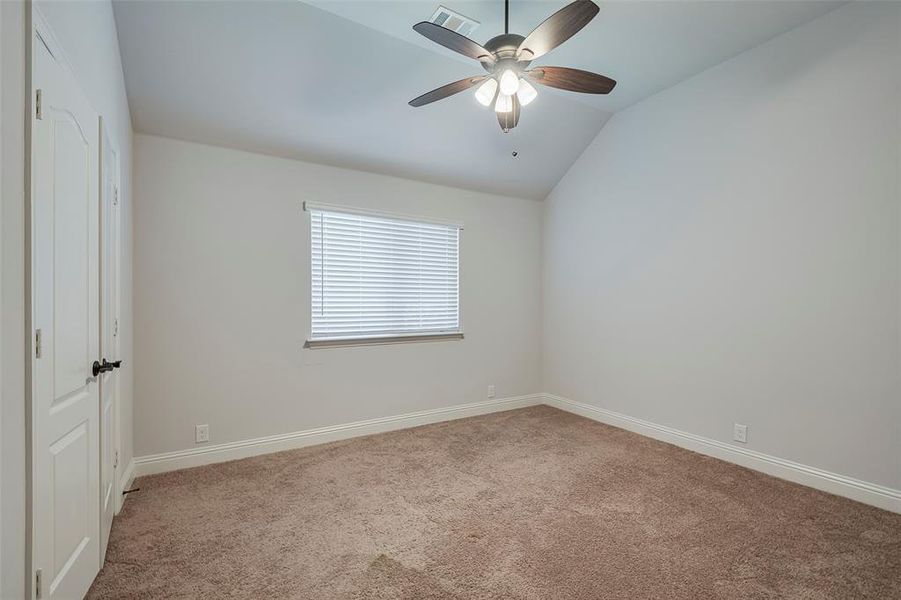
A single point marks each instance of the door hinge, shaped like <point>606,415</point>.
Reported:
<point>38,112</point>
<point>115,327</point>
<point>116,460</point>
<point>38,581</point>
<point>116,196</point>
<point>37,343</point>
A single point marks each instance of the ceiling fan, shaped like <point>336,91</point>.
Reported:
<point>506,58</point>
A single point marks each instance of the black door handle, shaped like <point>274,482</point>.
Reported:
<point>98,368</point>
<point>116,364</point>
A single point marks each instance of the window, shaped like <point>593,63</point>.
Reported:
<point>378,278</point>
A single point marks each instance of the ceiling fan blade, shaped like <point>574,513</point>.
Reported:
<point>557,28</point>
<point>573,80</point>
<point>454,41</point>
<point>447,90</point>
<point>509,120</point>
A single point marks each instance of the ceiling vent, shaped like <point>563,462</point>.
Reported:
<point>454,21</point>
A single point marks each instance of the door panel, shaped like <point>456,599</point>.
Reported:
<point>65,315</point>
<point>70,495</point>
<point>71,250</point>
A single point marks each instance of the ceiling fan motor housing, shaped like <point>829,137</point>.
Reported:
<point>504,48</point>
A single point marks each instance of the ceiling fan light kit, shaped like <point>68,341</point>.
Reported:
<point>486,92</point>
<point>504,103</point>
<point>506,58</point>
<point>509,82</point>
<point>526,92</point>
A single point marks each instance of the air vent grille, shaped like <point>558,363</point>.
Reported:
<point>454,21</point>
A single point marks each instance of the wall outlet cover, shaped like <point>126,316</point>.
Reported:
<point>740,433</point>
<point>491,391</point>
<point>201,434</point>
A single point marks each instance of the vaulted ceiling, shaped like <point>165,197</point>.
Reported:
<point>328,81</point>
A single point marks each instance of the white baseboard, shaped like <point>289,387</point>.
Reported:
<point>855,489</point>
<point>125,482</point>
<point>862,491</point>
<point>195,457</point>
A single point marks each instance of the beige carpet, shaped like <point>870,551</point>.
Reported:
<point>527,504</point>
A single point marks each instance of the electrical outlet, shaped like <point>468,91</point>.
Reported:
<point>491,391</point>
<point>201,434</point>
<point>740,433</point>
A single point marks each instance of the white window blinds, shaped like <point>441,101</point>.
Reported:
<point>377,276</point>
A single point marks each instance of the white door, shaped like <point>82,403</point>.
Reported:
<point>109,334</point>
<point>65,317</point>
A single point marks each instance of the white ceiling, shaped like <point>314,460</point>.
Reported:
<point>645,45</point>
<point>329,80</point>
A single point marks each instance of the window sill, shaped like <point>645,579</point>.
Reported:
<point>382,340</point>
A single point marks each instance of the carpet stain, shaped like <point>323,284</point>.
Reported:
<point>530,504</point>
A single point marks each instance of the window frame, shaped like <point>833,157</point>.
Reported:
<point>378,340</point>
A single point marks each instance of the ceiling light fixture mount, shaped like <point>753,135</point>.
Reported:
<point>506,58</point>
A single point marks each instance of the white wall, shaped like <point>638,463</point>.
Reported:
<point>222,299</point>
<point>12,298</point>
<point>729,251</point>
<point>87,33</point>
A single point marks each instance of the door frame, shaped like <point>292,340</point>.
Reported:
<point>35,25</point>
